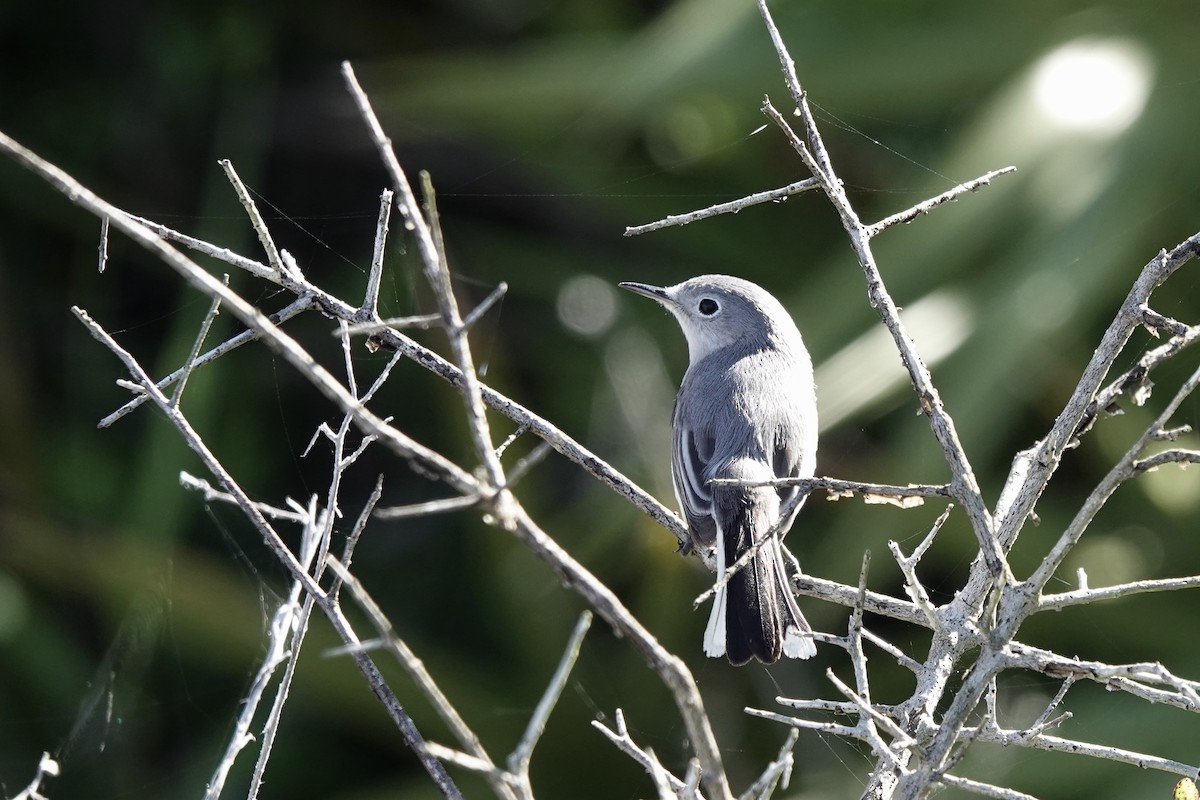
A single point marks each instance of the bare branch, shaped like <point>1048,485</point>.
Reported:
<point>1124,469</point>
<point>907,496</point>
<point>1042,741</point>
<point>670,668</point>
<point>409,730</point>
<point>1040,462</point>
<point>298,305</point>
<point>256,220</point>
<point>844,595</point>
<point>286,637</point>
<point>255,268</point>
<point>1056,602</point>
<point>985,789</point>
<point>103,247</point>
<point>1138,679</point>
<point>420,675</point>
<point>964,486</point>
<point>649,762</point>
<point>190,363</point>
<point>518,762</point>
<point>370,306</point>
<point>251,316</point>
<point>835,728</point>
<point>1175,456</point>
<point>928,205</point>
<point>732,207</point>
<point>428,508</point>
<point>908,566</point>
<point>777,773</point>
<point>485,306</point>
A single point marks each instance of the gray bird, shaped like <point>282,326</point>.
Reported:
<point>746,409</point>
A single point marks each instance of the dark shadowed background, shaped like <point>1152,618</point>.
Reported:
<point>132,615</point>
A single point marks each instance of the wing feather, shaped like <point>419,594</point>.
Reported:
<point>689,466</point>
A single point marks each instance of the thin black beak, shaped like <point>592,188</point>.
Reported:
<point>653,292</point>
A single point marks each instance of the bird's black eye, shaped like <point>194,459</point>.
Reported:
<point>708,307</point>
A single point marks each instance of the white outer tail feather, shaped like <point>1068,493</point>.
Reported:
<point>714,633</point>
<point>797,644</point>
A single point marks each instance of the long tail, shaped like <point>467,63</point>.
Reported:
<point>754,615</point>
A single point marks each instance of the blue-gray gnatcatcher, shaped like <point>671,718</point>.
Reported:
<point>746,410</point>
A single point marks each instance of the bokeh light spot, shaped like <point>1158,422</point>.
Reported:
<point>1093,85</point>
<point>586,305</point>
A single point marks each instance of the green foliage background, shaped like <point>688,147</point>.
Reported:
<point>132,616</point>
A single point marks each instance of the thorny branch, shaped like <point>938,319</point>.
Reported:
<point>976,632</point>
<point>917,743</point>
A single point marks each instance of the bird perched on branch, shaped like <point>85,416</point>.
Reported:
<point>746,410</point>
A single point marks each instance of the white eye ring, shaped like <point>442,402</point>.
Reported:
<point>708,307</point>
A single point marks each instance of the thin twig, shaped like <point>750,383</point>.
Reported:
<point>356,533</point>
<point>298,305</point>
<point>437,272</point>
<point>473,763</point>
<point>964,486</point>
<point>1058,744</point>
<point>732,207</point>
<point>420,321</point>
<point>256,220</point>
<point>391,704</point>
<point>1056,602</point>
<point>370,306</point>
<point>777,773</point>
<point>526,463</point>
<point>620,737</point>
<point>1122,471</point>
<point>926,206</point>
<point>883,644</point>
<point>102,255</point>
<point>518,761</point>
<point>420,675</point>
<point>289,629</point>
<point>985,789</point>
<point>494,296</point>
<point>211,494</point>
<point>908,566</point>
<point>194,353</point>
<point>255,268</point>
<point>670,668</point>
<point>428,508</point>
<point>1178,456</point>
<point>822,726</point>
<point>907,496</point>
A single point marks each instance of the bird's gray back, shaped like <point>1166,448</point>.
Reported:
<point>723,417</point>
